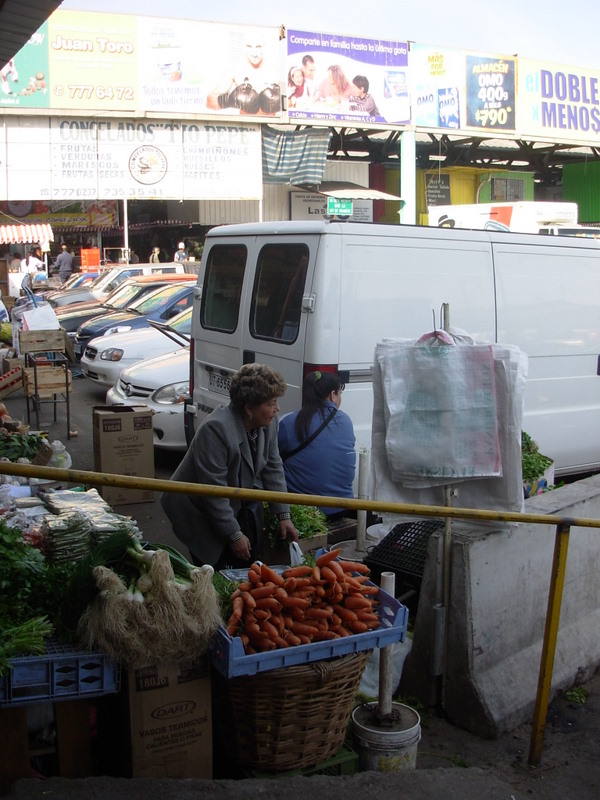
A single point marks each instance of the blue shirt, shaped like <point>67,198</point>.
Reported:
<point>326,466</point>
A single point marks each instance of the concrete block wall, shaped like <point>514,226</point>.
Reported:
<point>499,583</point>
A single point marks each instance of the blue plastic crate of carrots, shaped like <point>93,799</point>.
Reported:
<point>281,618</point>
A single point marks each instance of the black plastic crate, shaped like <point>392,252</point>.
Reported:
<point>404,550</point>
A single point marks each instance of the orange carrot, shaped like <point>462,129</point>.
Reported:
<point>268,574</point>
<point>358,627</point>
<point>329,575</point>
<point>269,602</point>
<point>298,572</point>
<point>248,600</point>
<point>346,614</point>
<point>238,606</point>
<point>354,566</point>
<point>327,556</point>
<point>357,601</point>
<point>267,590</point>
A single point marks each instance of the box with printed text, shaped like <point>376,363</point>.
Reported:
<point>124,445</point>
<point>171,720</point>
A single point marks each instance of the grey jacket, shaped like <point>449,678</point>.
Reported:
<point>220,455</point>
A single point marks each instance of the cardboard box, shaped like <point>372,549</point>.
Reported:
<point>171,720</point>
<point>124,445</point>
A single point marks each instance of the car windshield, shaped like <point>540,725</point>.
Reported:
<point>153,300</point>
<point>123,295</point>
<point>181,323</point>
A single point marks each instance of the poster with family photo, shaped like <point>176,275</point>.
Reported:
<point>346,79</point>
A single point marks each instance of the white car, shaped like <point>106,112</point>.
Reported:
<point>163,385</point>
<point>105,357</point>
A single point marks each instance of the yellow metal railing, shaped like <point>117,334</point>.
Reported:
<point>563,527</point>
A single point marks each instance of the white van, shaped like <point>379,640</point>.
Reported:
<point>306,295</point>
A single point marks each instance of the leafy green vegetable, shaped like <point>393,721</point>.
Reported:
<point>534,464</point>
<point>308,521</point>
<point>31,592</point>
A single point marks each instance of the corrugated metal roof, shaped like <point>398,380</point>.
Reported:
<point>19,19</point>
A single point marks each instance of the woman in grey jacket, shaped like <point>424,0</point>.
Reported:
<point>236,445</point>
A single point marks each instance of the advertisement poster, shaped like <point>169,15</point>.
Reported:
<point>92,61</point>
<point>202,67</point>
<point>71,159</point>
<point>65,214</point>
<point>491,92</point>
<point>559,102</point>
<point>347,79</point>
<point>24,79</point>
<point>439,87</point>
<point>311,206</point>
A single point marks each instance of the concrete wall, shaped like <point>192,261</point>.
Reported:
<point>499,587</point>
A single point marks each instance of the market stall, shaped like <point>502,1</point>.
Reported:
<point>136,626</point>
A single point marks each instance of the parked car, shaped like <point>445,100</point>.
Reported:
<point>71,317</point>
<point>106,357</point>
<point>108,280</point>
<point>160,305</point>
<point>162,384</point>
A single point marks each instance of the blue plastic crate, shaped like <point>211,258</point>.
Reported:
<point>229,658</point>
<point>62,673</point>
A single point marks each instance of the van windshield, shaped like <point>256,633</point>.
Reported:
<point>277,294</point>
<point>223,287</point>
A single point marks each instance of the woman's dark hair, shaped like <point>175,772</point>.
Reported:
<point>254,384</point>
<point>316,389</point>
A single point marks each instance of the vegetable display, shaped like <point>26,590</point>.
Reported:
<point>142,604</point>
<point>304,604</point>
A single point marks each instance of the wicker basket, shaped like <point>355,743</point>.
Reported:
<point>288,718</point>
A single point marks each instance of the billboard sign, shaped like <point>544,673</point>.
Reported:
<point>347,79</point>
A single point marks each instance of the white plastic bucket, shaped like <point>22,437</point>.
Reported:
<point>389,746</point>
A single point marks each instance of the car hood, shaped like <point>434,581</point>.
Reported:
<point>159,371</point>
<point>144,343</point>
<point>98,324</point>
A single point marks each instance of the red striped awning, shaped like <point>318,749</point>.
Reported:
<point>26,234</point>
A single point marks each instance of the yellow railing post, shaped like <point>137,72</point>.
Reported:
<point>557,582</point>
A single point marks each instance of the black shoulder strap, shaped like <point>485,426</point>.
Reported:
<point>313,435</point>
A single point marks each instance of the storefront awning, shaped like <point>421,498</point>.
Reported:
<point>26,234</point>
<point>352,191</point>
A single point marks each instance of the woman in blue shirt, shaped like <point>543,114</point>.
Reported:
<point>317,442</point>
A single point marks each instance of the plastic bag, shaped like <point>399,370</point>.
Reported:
<point>296,555</point>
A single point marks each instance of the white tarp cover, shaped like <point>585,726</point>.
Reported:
<point>505,492</point>
<point>26,234</point>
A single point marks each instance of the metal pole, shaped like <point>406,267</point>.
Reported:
<point>557,582</point>
<point>386,658</point>
<point>361,515</point>
<point>126,231</point>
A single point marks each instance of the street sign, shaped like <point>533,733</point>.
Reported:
<point>338,208</point>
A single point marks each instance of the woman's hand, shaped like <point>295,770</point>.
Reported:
<point>288,530</point>
<point>241,548</point>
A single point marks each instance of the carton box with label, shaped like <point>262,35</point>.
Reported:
<point>171,720</point>
<point>124,445</point>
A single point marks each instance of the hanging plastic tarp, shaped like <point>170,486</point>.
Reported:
<point>441,410</point>
<point>503,491</point>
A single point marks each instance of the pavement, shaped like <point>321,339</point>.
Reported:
<point>451,763</point>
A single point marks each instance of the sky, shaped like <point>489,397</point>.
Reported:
<point>561,31</point>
